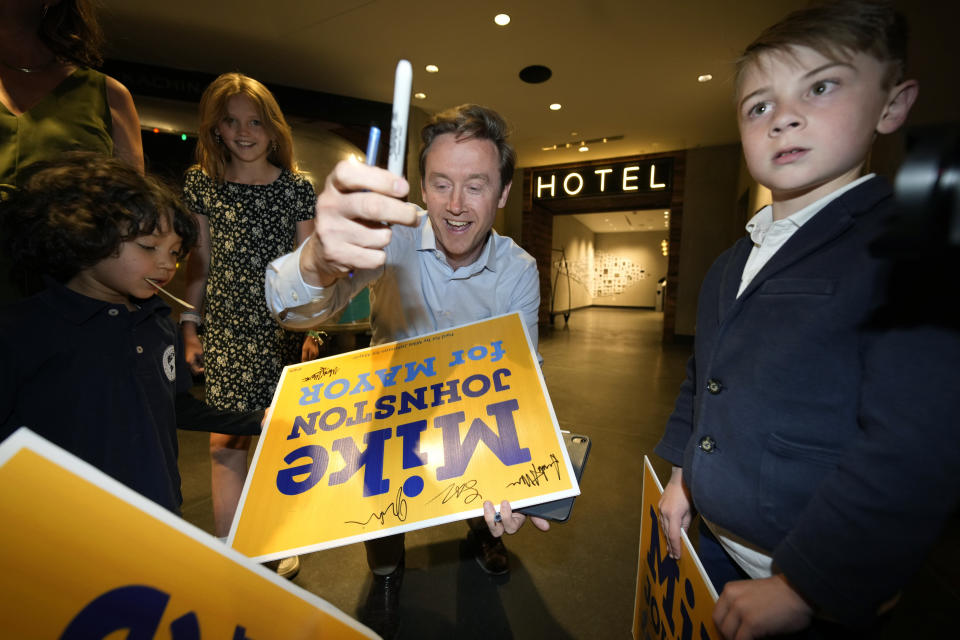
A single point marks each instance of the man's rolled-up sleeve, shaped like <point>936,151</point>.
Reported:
<point>294,304</point>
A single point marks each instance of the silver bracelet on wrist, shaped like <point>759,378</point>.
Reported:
<point>191,316</point>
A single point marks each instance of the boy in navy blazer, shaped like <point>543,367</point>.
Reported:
<point>816,442</point>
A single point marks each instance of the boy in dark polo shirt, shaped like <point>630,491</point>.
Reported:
<point>94,363</point>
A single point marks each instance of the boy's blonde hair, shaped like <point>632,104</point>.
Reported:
<point>836,30</point>
<point>212,154</point>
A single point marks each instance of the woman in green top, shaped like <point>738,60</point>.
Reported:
<point>51,101</point>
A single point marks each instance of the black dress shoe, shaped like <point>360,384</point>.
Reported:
<point>381,612</point>
<point>490,552</point>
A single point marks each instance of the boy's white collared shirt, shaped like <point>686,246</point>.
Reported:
<point>769,235</point>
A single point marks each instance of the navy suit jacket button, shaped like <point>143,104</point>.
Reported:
<point>708,444</point>
<point>714,386</point>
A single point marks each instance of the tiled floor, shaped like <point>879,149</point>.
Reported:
<point>609,377</point>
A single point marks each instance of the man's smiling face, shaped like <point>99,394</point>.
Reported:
<point>462,191</point>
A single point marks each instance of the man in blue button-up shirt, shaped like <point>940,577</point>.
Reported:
<point>432,271</point>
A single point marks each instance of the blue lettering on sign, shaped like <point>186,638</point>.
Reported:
<point>307,425</point>
<point>478,352</point>
<point>412,456</point>
<point>410,401</point>
<point>385,406</point>
<point>137,610</point>
<point>415,368</point>
<point>388,377</point>
<point>287,481</point>
<point>336,389</point>
<point>663,569</point>
<point>457,453</point>
<point>446,395</point>
<point>362,415</point>
<point>372,459</point>
<point>310,394</point>
<point>362,384</point>
<point>339,416</point>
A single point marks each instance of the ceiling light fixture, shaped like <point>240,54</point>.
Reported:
<point>583,146</point>
<point>705,78</point>
<point>502,19</point>
<point>432,68</point>
<point>556,106</point>
<point>583,143</point>
<point>420,95</point>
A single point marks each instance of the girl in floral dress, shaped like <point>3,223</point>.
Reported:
<point>252,206</point>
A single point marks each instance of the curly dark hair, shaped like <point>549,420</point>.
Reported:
<point>71,213</point>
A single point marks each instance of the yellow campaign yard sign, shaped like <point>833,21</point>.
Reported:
<point>675,598</point>
<point>402,436</point>
<point>82,556</point>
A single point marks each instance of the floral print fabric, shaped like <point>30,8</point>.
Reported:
<point>245,350</point>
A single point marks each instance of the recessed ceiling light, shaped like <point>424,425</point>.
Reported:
<point>705,78</point>
<point>420,95</point>
<point>556,106</point>
<point>574,134</point>
<point>432,68</point>
<point>502,19</point>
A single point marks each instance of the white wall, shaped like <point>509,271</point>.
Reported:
<point>641,249</point>
<point>577,242</point>
<point>585,253</point>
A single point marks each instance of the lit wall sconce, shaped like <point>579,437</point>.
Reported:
<point>665,247</point>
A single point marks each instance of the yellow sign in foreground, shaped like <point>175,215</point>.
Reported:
<point>675,598</point>
<point>82,556</point>
<point>402,436</point>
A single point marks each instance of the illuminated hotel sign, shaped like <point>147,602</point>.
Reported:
<point>619,179</point>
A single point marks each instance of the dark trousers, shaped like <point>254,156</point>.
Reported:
<point>384,554</point>
<point>721,569</point>
<point>716,561</point>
